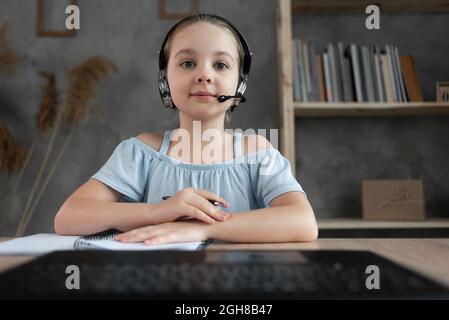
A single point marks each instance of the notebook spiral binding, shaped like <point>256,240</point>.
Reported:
<point>87,241</point>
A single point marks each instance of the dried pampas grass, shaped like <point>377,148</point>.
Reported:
<point>12,153</point>
<point>83,81</point>
<point>46,115</point>
<point>13,156</point>
<point>45,119</point>
<point>83,86</point>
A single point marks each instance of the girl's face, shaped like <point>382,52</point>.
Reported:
<point>203,64</point>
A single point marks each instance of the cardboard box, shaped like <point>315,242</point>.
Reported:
<point>393,200</point>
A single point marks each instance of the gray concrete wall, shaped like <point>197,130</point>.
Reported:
<point>333,156</point>
<point>129,33</point>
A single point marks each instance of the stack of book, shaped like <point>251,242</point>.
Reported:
<point>355,73</point>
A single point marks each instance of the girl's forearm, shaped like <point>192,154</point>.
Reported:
<point>287,223</point>
<point>82,216</point>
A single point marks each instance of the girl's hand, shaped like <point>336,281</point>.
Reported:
<point>194,203</point>
<point>185,231</point>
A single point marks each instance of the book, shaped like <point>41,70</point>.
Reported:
<point>44,243</point>
<point>412,84</point>
<point>313,70</point>
<point>334,73</point>
<point>305,57</point>
<point>327,77</point>
<point>400,75</point>
<point>389,95</point>
<point>380,83</point>
<point>354,54</point>
<point>320,75</point>
<point>296,72</point>
<point>348,94</point>
<point>374,76</point>
<point>393,72</point>
<point>302,72</point>
<point>368,75</point>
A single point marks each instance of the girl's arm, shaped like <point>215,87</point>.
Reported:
<point>289,218</point>
<point>94,207</point>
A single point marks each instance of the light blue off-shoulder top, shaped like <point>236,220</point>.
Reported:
<point>143,174</point>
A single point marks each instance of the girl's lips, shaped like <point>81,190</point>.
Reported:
<point>203,97</point>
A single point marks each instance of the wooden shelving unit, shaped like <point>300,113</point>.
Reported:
<point>289,110</point>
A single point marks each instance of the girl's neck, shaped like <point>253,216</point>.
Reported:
<point>202,128</point>
<point>196,140</point>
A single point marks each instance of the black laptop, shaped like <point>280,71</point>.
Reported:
<point>212,274</point>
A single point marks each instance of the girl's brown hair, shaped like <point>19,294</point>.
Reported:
<point>216,22</point>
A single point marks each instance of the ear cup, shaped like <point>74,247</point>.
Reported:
<point>241,88</point>
<point>164,90</point>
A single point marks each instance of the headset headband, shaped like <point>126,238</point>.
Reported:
<point>246,65</point>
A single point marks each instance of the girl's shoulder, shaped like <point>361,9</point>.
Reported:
<point>253,143</point>
<point>151,139</point>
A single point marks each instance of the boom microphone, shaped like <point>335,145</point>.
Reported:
<point>222,99</point>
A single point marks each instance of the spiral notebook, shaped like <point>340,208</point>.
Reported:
<point>104,240</point>
<point>43,243</point>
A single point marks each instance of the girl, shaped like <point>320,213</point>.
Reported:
<point>204,63</point>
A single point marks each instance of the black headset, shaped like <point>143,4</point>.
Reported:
<point>164,88</point>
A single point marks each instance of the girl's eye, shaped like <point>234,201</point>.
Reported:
<point>221,66</point>
<point>187,64</point>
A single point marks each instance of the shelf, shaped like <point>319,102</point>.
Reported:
<point>354,223</point>
<point>359,228</point>
<point>358,6</point>
<point>289,110</point>
<point>325,109</point>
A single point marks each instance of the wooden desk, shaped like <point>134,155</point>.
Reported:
<point>429,257</point>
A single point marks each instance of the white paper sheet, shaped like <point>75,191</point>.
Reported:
<point>43,243</point>
<point>37,244</point>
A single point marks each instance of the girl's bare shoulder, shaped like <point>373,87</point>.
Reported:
<point>255,142</point>
<point>151,139</point>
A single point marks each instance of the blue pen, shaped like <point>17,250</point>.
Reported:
<point>215,203</point>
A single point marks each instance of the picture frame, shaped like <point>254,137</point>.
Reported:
<point>42,31</point>
<point>443,92</point>
<point>163,14</point>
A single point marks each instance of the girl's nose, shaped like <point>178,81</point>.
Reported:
<point>204,77</point>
